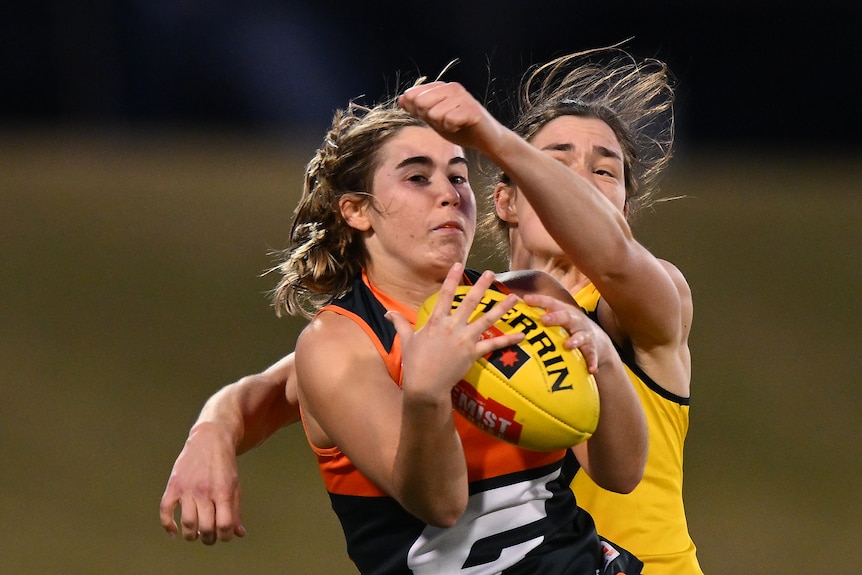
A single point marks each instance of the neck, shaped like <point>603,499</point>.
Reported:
<point>560,269</point>
<point>411,290</point>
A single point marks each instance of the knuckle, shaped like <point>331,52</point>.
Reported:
<point>189,524</point>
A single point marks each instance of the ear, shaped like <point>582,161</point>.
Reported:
<point>354,212</point>
<point>504,203</point>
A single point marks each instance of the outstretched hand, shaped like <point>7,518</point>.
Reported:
<point>204,483</point>
<point>444,348</point>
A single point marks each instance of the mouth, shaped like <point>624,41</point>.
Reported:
<point>451,225</point>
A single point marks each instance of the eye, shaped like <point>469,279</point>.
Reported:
<point>612,172</point>
<point>418,178</point>
<point>458,180</point>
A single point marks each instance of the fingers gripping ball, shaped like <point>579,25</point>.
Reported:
<point>536,394</point>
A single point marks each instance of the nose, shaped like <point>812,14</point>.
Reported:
<point>585,172</point>
<point>451,196</point>
<point>580,168</point>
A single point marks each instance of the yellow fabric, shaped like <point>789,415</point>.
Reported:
<point>650,521</point>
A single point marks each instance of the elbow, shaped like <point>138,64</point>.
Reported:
<point>442,512</point>
<point>631,473</point>
<point>620,467</point>
<point>444,521</point>
<point>627,481</point>
<point>445,516</point>
<point>622,480</point>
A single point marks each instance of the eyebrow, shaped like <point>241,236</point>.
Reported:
<point>426,161</point>
<point>600,150</point>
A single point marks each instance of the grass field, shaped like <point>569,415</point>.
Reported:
<point>131,290</point>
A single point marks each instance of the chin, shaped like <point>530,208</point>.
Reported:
<point>444,263</point>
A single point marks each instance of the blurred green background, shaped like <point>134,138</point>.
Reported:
<point>132,289</point>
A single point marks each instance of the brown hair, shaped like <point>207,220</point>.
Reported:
<point>634,98</point>
<point>325,254</point>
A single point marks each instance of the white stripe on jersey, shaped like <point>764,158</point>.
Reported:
<point>488,514</point>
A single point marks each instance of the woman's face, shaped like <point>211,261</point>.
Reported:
<point>424,211</point>
<point>589,147</point>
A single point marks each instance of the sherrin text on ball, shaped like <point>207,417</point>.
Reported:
<point>536,394</point>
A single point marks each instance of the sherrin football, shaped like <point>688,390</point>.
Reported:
<point>536,394</point>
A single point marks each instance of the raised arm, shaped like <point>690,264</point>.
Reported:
<point>646,303</point>
<point>204,481</point>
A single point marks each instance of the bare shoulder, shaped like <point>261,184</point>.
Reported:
<point>329,336</point>
<point>336,365</point>
<point>684,292</point>
<point>676,275</point>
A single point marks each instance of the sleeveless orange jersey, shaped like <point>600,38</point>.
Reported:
<point>521,516</point>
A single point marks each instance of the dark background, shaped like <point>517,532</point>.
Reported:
<point>151,155</point>
<point>750,71</point>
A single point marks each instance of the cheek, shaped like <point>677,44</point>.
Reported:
<point>468,208</point>
<point>471,215</point>
<point>617,196</point>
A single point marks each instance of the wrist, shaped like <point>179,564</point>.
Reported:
<point>222,432</point>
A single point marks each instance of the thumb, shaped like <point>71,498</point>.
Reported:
<point>402,326</point>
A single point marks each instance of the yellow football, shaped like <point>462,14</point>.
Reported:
<point>536,394</point>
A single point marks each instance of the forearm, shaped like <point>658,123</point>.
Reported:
<point>617,450</point>
<point>585,223</point>
<point>250,410</point>
<point>594,234</point>
<point>430,470</point>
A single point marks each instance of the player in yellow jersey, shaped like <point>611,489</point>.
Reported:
<point>611,125</point>
<point>609,118</point>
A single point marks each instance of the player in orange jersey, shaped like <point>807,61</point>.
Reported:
<point>386,220</point>
<point>629,105</point>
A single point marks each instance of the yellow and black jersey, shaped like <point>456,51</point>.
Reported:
<point>650,521</point>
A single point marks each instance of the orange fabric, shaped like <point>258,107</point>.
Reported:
<point>486,456</point>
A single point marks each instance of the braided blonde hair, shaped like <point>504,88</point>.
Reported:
<point>325,254</point>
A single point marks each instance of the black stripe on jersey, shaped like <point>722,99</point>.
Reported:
<point>472,276</point>
<point>577,552</point>
<point>489,549</point>
<point>361,301</point>
<point>555,528</point>
<point>629,360</point>
<point>517,477</point>
<point>379,532</point>
<point>571,466</point>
